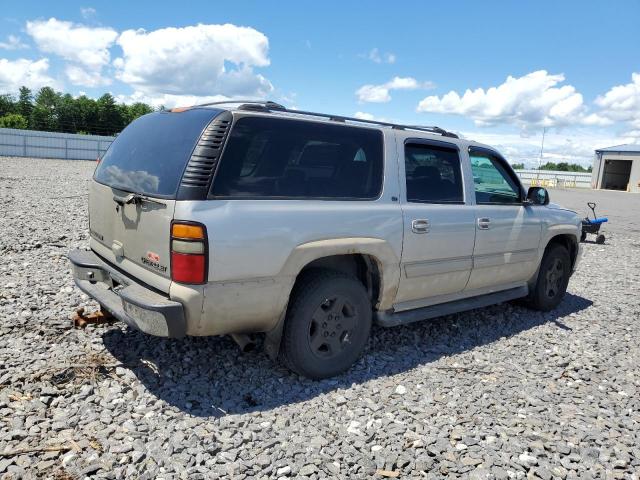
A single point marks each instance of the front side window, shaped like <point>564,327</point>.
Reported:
<point>284,158</point>
<point>493,183</point>
<point>432,174</point>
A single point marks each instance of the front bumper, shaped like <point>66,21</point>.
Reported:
<point>136,305</point>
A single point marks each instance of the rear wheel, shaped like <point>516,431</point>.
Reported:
<point>327,324</point>
<point>553,279</point>
<point>583,236</point>
<point>600,239</point>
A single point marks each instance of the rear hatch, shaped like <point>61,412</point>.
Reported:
<point>133,194</point>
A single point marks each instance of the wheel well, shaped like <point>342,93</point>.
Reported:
<point>363,267</point>
<point>567,241</point>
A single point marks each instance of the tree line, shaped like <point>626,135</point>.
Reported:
<point>560,167</point>
<point>53,111</point>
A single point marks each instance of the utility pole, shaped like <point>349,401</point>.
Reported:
<point>544,130</point>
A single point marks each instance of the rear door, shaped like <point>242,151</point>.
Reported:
<point>439,227</point>
<point>508,233</point>
<point>132,196</point>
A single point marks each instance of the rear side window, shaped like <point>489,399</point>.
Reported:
<point>280,158</point>
<point>150,155</point>
<point>433,174</point>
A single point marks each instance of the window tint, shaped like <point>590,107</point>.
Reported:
<point>493,183</point>
<point>432,174</point>
<point>150,155</point>
<point>280,158</point>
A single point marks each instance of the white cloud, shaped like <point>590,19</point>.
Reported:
<point>168,100</point>
<point>572,145</point>
<point>31,73</point>
<point>378,57</point>
<point>80,76</point>
<point>88,12</point>
<point>380,93</point>
<point>622,104</point>
<point>369,116</point>
<point>364,116</point>
<point>203,60</point>
<point>533,100</point>
<point>87,46</point>
<point>13,43</point>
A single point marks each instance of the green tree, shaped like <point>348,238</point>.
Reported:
<point>25,102</point>
<point>518,166</point>
<point>7,104</point>
<point>110,116</point>
<point>68,117</point>
<point>87,111</point>
<point>135,110</point>
<point>54,111</point>
<point>44,115</point>
<point>14,120</point>
<point>564,167</point>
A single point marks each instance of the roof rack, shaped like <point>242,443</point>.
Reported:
<point>267,106</point>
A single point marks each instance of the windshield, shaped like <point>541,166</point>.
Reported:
<point>150,155</point>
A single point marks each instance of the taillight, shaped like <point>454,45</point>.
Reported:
<point>188,253</point>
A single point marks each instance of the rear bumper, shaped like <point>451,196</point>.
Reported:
<point>130,302</point>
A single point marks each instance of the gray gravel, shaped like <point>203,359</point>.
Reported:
<point>500,393</point>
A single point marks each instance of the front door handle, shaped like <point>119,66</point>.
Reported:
<point>420,226</point>
<point>484,223</point>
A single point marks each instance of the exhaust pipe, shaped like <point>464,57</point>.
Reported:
<point>244,341</point>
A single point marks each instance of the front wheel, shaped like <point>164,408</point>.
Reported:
<point>553,279</point>
<point>327,325</point>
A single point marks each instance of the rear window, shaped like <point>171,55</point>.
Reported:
<point>150,155</point>
<point>280,158</point>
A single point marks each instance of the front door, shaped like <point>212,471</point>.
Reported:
<point>439,228</point>
<point>508,233</point>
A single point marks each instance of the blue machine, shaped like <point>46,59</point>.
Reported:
<point>593,225</point>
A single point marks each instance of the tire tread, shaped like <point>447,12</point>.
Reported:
<point>306,287</point>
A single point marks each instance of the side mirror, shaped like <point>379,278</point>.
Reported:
<point>537,196</point>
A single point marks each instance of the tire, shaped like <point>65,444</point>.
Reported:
<point>553,278</point>
<point>583,236</point>
<point>321,339</point>
<point>600,239</point>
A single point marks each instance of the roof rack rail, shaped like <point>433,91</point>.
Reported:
<point>262,105</point>
<point>397,126</point>
<point>267,104</point>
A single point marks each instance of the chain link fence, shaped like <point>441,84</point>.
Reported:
<point>555,179</point>
<point>66,146</point>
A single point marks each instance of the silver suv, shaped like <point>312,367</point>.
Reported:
<point>246,218</point>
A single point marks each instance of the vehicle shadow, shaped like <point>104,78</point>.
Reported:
<point>210,376</point>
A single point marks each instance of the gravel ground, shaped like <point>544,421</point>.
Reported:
<point>501,392</point>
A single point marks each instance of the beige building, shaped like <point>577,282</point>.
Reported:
<point>617,168</point>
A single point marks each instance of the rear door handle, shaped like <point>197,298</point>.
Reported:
<point>484,223</point>
<point>420,226</point>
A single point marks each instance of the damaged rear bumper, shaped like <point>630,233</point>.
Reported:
<point>136,305</point>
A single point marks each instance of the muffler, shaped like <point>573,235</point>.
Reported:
<point>244,341</point>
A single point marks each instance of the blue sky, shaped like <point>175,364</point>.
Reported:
<point>498,71</point>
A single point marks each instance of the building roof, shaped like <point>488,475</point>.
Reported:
<point>621,148</point>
